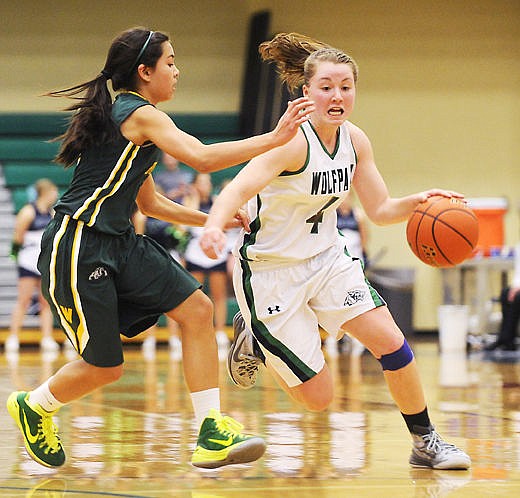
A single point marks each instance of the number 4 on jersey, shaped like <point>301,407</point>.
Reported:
<point>318,217</point>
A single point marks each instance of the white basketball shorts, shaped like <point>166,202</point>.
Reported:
<point>284,305</point>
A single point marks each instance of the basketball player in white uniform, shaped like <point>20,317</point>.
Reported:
<point>293,270</point>
<point>30,224</point>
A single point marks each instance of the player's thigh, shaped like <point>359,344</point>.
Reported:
<point>79,285</point>
<point>344,294</point>
<point>151,280</point>
<point>85,304</point>
<point>98,331</point>
<point>274,305</point>
<point>316,393</point>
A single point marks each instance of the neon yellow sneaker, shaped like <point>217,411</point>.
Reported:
<point>221,443</point>
<point>38,430</point>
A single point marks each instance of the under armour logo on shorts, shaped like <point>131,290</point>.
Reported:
<point>273,309</point>
<point>98,273</point>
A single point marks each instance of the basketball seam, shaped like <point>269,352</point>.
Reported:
<point>423,214</point>
<point>417,235</point>
<point>435,241</point>
<point>469,213</point>
<point>436,219</point>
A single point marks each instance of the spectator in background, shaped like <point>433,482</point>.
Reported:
<point>172,181</point>
<point>200,265</point>
<point>510,302</point>
<point>174,239</point>
<point>352,224</point>
<point>30,223</point>
<point>232,236</point>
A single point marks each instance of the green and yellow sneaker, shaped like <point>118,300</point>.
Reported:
<point>38,430</point>
<point>221,443</point>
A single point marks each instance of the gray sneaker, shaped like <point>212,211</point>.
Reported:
<point>243,358</point>
<point>429,450</point>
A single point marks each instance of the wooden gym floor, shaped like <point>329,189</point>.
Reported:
<point>135,437</point>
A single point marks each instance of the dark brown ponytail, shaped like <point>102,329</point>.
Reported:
<point>91,121</point>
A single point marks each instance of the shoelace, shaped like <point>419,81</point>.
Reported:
<point>48,435</point>
<point>229,426</point>
<point>436,443</point>
<point>248,365</point>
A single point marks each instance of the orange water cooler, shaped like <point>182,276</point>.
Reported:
<point>490,213</point>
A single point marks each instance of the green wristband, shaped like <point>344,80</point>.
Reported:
<point>15,249</point>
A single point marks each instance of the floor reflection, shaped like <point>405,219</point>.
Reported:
<point>135,437</point>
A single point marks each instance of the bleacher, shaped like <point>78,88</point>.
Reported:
<point>27,149</point>
<point>27,152</point>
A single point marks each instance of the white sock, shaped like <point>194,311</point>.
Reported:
<point>204,401</point>
<point>43,397</point>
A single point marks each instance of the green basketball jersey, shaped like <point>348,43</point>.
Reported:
<point>108,176</point>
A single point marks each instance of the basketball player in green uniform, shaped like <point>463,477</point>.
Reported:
<point>294,271</point>
<point>100,278</point>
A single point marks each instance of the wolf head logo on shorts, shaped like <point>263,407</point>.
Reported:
<point>353,297</point>
<point>98,273</point>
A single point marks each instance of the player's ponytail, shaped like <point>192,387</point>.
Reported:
<point>91,118</point>
<point>91,121</point>
<point>296,55</point>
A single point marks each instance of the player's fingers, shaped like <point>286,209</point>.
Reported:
<point>244,219</point>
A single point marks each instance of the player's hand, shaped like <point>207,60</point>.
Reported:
<point>442,192</point>
<point>213,242</point>
<point>297,112</point>
<point>241,220</point>
<point>426,194</point>
<point>15,249</point>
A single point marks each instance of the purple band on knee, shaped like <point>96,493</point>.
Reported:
<point>398,359</point>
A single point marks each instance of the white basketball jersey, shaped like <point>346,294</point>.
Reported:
<point>294,217</point>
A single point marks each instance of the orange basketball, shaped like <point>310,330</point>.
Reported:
<point>442,231</point>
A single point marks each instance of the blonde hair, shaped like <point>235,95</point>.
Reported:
<point>296,57</point>
<point>44,185</point>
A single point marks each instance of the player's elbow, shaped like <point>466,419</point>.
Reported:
<point>382,222</point>
<point>379,219</point>
<point>148,207</point>
<point>203,162</point>
<point>144,208</point>
<point>204,166</point>
<point>382,217</point>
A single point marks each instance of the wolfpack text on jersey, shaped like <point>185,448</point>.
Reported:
<point>304,200</point>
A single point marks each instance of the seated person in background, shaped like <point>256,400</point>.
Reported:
<point>510,302</point>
